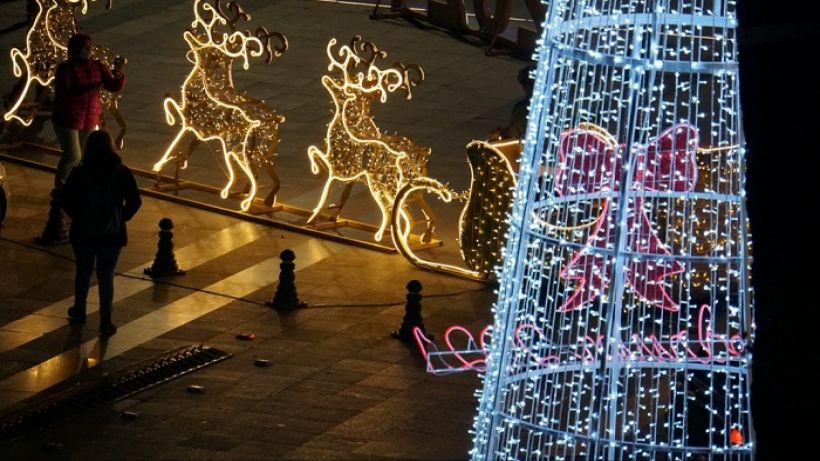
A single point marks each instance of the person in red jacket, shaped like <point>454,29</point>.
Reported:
<point>77,106</point>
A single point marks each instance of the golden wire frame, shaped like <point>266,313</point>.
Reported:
<point>212,109</point>
<point>355,149</point>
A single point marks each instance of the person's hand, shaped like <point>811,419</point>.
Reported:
<point>119,66</point>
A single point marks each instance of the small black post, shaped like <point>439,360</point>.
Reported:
<point>412,314</point>
<point>165,263</point>
<point>286,296</point>
<point>56,231</point>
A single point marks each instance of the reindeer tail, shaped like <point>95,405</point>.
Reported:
<point>172,107</point>
<point>313,153</point>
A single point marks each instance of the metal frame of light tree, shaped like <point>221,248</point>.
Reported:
<point>624,319</point>
<point>46,46</point>
<point>212,109</point>
<point>356,150</point>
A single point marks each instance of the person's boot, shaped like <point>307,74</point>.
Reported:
<point>107,328</point>
<point>76,315</point>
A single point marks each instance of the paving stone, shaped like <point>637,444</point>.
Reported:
<point>261,449</point>
<point>211,442</point>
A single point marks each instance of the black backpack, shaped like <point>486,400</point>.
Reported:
<point>101,215</point>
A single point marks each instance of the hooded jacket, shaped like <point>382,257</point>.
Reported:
<point>78,186</point>
<point>77,87</point>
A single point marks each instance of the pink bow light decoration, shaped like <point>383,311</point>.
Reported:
<point>591,163</point>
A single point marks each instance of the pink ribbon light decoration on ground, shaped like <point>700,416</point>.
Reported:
<point>591,162</point>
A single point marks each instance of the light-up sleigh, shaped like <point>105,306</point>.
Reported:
<point>482,221</point>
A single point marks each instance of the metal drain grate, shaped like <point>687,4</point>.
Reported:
<point>78,400</point>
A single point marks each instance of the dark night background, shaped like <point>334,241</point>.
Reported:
<point>778,61</point>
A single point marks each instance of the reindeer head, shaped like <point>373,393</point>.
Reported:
<point>359,74</point>
<point>234,44</point>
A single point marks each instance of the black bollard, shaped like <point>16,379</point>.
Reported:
<point>286,296</point>
<point>56,230</point>
<point>165,263</point>
<point>412,314</point>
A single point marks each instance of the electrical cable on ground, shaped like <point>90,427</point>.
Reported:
<point>237,298</point>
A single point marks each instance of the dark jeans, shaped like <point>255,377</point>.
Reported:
<point>106,258</point>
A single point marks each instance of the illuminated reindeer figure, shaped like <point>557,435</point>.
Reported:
<point>46,46</point>
<point>211,108</point>
<point>355,148</point>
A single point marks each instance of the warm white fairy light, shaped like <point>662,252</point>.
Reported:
<point>212,109</point>
<point>624,319</point>
<point>355,149</point>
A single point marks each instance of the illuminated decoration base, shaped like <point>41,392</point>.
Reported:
<point>482,222</point>
<point>624,319</point>
<point>212,109</point>
<point>356,150</point>
<point>46,46</point>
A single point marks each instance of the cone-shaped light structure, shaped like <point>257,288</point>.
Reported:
<point>624,316</point>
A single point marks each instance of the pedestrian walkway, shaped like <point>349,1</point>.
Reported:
<point>339,387</point>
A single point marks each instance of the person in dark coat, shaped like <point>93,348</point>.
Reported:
<point>98,192</point>
<point>77,106</point>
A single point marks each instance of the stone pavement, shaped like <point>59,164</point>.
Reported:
<point>339,387</point>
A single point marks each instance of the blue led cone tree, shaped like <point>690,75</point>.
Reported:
<point>624,319</point>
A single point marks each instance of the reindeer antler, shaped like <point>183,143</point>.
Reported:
<point>369,78</point>
<point>408,81</point>
<point>366,47</point>
<point>238,13</point>
<point>265,37</point>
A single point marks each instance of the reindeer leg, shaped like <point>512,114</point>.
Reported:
<point>20,91</point>
<point>337,207</point>
<point>270,199</point>
<point>430,219</point>
<point>405,222</point>
<point>15,93</point>
<point>225,192</point>
<point>255,172</point>
<point>249,173</point>
<point>184,156</point>
<point>322,201</point>
<point>166,157</point>
<point>252,162</point>
<point>41,98</point>
<point>114,110</point>
<point>386,207</point>
<point>273,140</point>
